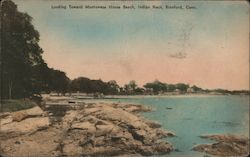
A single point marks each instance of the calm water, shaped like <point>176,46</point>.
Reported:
<point>191,116</point>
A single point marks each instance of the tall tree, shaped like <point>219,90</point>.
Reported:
<point>80,84</point>
<point>112,87</point>
<point>182,87</point>
<point>86,85</point>
<point>20,51</point>
<point>156,86</point>
<point>41,78</point>
<point>58,81</point>
<point>130,87</point>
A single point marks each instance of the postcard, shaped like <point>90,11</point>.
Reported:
<point>124,78</point>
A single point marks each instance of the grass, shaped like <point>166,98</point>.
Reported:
<point>16,105</point>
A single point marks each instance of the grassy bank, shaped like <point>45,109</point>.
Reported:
<point>16,105</point>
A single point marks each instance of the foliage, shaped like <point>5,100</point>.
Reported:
<point>16,105</point>
<point>87,85</point>
<point>196,89</point>
<point>171,88</point>
<point>23,70</point>
<point>156,86</point>
<point>24,73</point>
<point>130,87</point>
<point>182,87</point>
<point>112,87</point>
<point>20,51</point>
<point>58,81</point>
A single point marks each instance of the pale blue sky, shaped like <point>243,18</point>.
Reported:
<point>120,44</point>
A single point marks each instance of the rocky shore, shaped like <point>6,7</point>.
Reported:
<point>226,146</point>
<point>72,130</point>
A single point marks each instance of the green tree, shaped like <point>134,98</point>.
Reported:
<point>156,86</point>
<point>139,90</point>
<point>80,84</point>
<point>98,86</point>
<point>20,52</point>
<point>112,87</point>
<point>41,78</point>
<point>130,87</point>
<point>196,89</point>
<point>85,85</point>
<point>58,81</point>
<point>132,84</point>
<point>171,87</point>
<point>182,87</point>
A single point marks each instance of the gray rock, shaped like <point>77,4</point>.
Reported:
<point>94,130</point>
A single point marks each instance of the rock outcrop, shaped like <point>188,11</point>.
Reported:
<point>83,130</point>
<point>24,121</point>
<point>226,145</point>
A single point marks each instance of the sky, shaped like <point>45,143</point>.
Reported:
<point>207,46</point>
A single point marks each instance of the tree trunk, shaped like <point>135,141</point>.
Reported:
<point>10,89</point>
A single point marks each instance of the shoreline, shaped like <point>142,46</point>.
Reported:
<point>107,97</point>
<point>65,123</point>
<point>224,145</point>
<point>90,129</point>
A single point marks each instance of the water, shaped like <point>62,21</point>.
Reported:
<point>191,116</point>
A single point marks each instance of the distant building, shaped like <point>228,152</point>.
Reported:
<point>190,90</point>
<point>177,91</point>
<point>149,91</point>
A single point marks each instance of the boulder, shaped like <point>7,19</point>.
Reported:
<point>163,147</point>
<point>26,125</point>
<point>23,114</point>
<point>84,126</point>
<point>87,130</point>
<point>153,124</point>
<point>226,145</point>
<point>104,129</point>
<point>6,120</point>
<point>19,116</point>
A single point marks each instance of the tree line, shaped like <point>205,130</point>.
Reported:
<point>85,85</point>
<point>24,73</point>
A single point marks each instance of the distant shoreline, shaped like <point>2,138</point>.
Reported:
<point>177,95</point>
<point>82,96</point>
